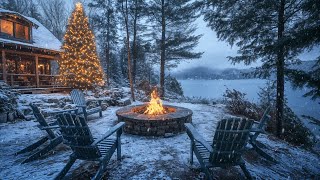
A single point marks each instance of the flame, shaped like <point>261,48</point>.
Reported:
<point>155,105</point>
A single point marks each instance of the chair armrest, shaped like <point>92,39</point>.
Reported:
<point>256,130</point>
<point>194,135</point>
<point>256,122</point>
<point>50,127</point>
<point>109,133</point>
<point>63,111</point>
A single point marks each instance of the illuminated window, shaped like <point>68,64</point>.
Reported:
<point>7,27</point>
<point>22,32</point>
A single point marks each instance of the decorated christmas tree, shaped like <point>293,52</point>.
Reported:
<point>80,66</point>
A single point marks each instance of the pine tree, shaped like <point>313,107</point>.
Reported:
<point>259,28</point>
<point>79,66</point>
<point>307,36</point>
<point>125,16</point>
<point>105,21</point>
<point>174,32</point>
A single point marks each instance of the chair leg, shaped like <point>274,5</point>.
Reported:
<point>118,149</point>
<point>45,150</point>
<point>207,172</point>
<point>100,113</point>
<point>262,153</point>
<point>101,171</point>
<point>33,146</point>
<point>64,171</point>
<point>245,171</point>
<point>191,152</point>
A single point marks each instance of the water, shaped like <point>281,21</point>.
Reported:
<point>215,88</point>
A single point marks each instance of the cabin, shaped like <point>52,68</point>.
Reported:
<point>29,52</point>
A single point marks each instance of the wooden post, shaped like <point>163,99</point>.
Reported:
<point>4,65</point>
<point>37,72</point>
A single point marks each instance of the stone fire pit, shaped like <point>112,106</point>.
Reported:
<point>154,125</point>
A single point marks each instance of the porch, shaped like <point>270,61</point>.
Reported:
<point>25,70</point>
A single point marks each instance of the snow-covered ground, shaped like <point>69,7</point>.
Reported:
<point>151,157</point>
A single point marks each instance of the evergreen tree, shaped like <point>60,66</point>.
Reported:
<point>307,36</point>
<point>259,28</point>
<point>125,16</point>
<point>137,12</point>
<point>173,32</point>
<point>79,66</point>
<point>105,22</point>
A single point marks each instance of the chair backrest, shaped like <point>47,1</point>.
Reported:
<point>40,118</point>
<point>262,123</point>
<point>230,138</point>
<point>77,97</point>
<point>77,135</point>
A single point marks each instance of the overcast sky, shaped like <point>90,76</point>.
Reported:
<point>215,51</point>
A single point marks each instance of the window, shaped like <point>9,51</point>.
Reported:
<point>22,32</point>
<point>7,27</point>
<point>14,29</point>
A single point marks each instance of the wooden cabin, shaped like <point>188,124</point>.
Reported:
<point>29,52</point>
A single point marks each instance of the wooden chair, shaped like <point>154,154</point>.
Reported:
<point>229,141</point>
<point>78,98</point>
<point>77,135</point>
<point>256,130</point>
<point>53,137</point>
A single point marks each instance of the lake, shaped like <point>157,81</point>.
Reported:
<point>214,89</point>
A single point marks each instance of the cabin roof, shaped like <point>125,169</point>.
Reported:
<point>41,37</point>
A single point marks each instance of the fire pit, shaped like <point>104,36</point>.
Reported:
<point>154,119</point>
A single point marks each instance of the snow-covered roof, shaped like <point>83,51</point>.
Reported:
<point>41,36</point>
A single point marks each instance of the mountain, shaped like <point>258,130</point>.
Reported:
<point>210,73</point>
<point>202,72</point>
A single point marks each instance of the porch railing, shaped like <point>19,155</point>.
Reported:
<point>30,80</point>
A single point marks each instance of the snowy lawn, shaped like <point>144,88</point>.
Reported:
<point>151,158</point>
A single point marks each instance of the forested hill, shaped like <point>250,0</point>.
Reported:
<point>210,73</point>
<point>230,73</point>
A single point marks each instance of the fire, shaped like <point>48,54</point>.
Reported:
<point>155,105</point>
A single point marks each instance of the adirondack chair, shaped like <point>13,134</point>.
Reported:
<point>78,98</point>
<point>77,135</point>
<point>259,128</point>
<point>54,139</point>
<point>229,141</point>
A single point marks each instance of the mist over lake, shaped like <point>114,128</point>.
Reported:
<point>214,89</point>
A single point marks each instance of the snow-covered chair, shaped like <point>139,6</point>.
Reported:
<point>78,98</point>
<point>230,139</point>
<point>258,128</point>
<point>77,135</point>
<point>54,138</point>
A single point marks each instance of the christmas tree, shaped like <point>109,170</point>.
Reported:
<point>80,66</point>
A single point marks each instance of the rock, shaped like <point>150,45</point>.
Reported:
<point>56,101</point>
<point>11,116</point>
<point>3,117</point>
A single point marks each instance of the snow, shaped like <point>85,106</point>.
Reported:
<point>149,157</point>
<point>42,37</point>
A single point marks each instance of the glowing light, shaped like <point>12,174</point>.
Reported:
<point>79,66</point>
<point>155,105</point>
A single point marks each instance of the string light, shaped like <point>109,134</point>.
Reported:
<point>80,66</point>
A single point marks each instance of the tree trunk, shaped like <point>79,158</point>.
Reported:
<point>108,48</point>
<point>128,47</point>
<point>108,64</point>
<point>280,71</point>
<point>134,44</point>
<point>163,50</point>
